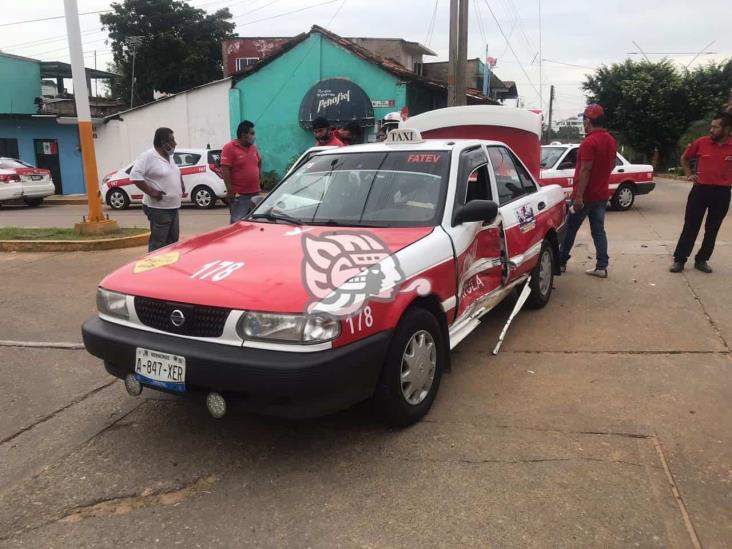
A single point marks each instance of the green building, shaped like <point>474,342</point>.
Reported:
<point>321,74</point>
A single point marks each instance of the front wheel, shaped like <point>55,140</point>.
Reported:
<point>542,277</point>
<point>412,371</point>
<point>118,200</point>
<point>623,198</point>
<point>203,197</point>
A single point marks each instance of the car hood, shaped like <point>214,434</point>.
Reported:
<point>272,266</point>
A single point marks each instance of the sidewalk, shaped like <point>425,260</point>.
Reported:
<point>60,199</point>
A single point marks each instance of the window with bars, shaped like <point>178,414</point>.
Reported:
<point>243,62</point>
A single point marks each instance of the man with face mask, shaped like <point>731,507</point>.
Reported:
<point>710,193</point>
<point>156,174</point>
<point>324,136</point>
<point>242,169</point>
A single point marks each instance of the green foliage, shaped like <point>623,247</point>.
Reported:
<point>566,134</point>
<point>180,49</point>
<point>269,180</point>
<point>651,105</point>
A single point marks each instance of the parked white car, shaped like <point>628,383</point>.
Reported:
<point>21,181</point>
<point>202,177</point>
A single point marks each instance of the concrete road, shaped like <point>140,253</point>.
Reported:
<point>604,422</point>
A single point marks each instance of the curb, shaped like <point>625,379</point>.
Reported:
<point>65,200</point>
<point>74,245</point>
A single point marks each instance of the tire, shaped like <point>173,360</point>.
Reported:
<point>623,198</point>
<point>118,199</point>
<point>33,202</point>
<point>401,404</point>
<point>203,197</point>
<point>542,277</point>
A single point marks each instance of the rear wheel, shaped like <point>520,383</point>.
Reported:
<point>118,200</point>
<point>412,371</point>
<point>623,198</point>
<point>33,202</point>
<point>203,197</point>
<point>542,277</point>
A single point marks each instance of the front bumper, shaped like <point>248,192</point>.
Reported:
<point>645,188</point>
<point>279,383</point>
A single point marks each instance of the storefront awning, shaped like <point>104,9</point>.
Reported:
<point>339,100</point>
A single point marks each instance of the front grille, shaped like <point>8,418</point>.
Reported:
<point>198,320</point>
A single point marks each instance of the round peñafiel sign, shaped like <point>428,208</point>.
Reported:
<point>337,99</point>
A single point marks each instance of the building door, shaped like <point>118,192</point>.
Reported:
<point>47,157</point>
<point>9,148</point>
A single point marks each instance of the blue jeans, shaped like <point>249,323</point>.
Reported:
<point>595,211</point>
<point>239,207</point>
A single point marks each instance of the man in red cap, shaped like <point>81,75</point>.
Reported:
<point>710,194</point>
<point>595,163</point>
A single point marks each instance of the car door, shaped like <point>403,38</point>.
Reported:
<point>189,170</point>
<point>477,245</point>
<point>519,203</point>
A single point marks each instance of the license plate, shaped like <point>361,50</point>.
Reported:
<point>36,177</point>
<point>160,369</point>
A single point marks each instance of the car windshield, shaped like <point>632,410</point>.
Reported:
<point>550,155</point>
<point>382,189</point>
<point>10,163</point>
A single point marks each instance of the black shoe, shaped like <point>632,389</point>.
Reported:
<point>702,266</point>
<point>677,267</point>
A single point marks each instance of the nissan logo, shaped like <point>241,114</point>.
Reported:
<point>177,318</point>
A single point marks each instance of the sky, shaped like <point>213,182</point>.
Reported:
<point>572,37</point>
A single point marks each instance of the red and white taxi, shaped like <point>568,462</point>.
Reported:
<point>202,177</point>
<point>353,278</point>
<point>21,181</point>
<point>627,180</point>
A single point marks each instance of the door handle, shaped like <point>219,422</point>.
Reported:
<point>541,206</point>
<point>621,170</point>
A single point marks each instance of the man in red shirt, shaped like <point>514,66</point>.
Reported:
<point>324,136</point>
<point>595,163</point>
<point>710,193</point>
<point>241,166</point>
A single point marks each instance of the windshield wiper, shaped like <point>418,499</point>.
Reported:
<point>335,223</point>
<point>277,217</point>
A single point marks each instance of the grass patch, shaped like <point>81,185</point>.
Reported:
<point>58,233</point>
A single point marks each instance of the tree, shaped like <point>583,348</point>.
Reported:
<point>645,102</point>
<point>568,134</point>
<point>710,86</point>
<point>180,48</point>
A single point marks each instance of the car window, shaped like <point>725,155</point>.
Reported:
<point>618,161</point>
<point>479,187</point>
<point>526,181</point>
<point>467,182</point>
<point>128,171</point>
<point>214,157</point>
<point>569,162</point>
<point>550,155</point>
<point>186,159</point>
<point>10,163</point>
<point>510,178</point>
<point>395,189</point>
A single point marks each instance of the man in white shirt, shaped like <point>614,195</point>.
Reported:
<point>156,174</point>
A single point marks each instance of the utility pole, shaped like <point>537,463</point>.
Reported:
<point>551,111</point>
<point>458,56</point>
<point>95,224</point>
<point>134,42</point>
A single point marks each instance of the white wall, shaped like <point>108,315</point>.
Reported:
<point>198,117</point>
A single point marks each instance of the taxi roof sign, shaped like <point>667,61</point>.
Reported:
<point>403,136</point>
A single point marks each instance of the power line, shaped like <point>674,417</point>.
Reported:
<point>479,19</point>
<point>431,26</point>
<point>256,9</point>
<point>568,64</point>
<point>500,28</point>
<point>49,18</point>
<point>288,13</point>
<point>335,14</point>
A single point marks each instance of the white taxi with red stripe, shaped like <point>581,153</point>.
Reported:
<point>21,181</point>
<point>202,177</point>
<point>627,180</point>
<point>353,278</point>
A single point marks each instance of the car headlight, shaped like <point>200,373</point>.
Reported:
<point>112,304</point>
<point>288,328</point>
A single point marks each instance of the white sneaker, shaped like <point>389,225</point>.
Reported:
<point>599,273</point>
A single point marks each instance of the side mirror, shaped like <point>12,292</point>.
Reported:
<point>566,166</point>
<point>476,210</point>
<point>255,201</point>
